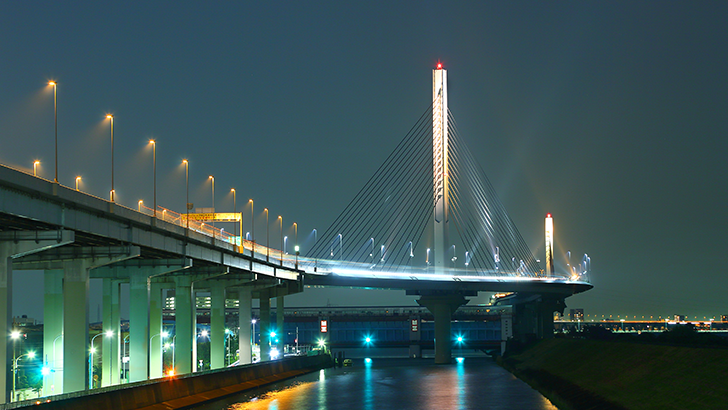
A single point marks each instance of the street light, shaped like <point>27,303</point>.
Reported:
<point>154,165</point>
<point>78,179</point>
<point>15,369</point>
<point>297,249</point>
<point>252,338</point>
<point>228,333</point>
<point>111,119</point>
<point>55,115</point>
<point>162,335</point>
<point>35,167</point>
<point>235,210</point>
<point>315,261</point>
<point>108,333</point>
<point>267,236</point>
<point>280,219</point>
<point>187,182</point>
<point>212,178</point>
<point>252,230</point>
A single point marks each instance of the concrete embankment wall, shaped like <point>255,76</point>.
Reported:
<point>179,391</point>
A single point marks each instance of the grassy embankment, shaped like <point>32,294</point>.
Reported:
<point>592,374</point>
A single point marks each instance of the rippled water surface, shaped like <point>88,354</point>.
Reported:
<point>474,383</point>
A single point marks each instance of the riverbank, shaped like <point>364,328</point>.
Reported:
<point>594,374</point>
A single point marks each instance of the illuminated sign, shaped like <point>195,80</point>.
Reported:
<point>324,326</point>
<point>214,217</point>
<point>414,325</point>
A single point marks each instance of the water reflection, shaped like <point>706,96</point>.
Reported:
<point>368,392</point>
<point>395,384</point>
<point>290,398</point>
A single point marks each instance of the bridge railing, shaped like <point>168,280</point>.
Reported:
<point>353,269</point>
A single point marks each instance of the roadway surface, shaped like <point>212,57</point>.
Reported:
<point>401,384</point>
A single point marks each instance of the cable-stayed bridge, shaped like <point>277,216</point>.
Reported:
<point>428,222</point>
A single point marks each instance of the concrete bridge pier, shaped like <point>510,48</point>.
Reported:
<point>534,316</point>
<point>442,305</point>
<point>280,310</point>
<point>156,331</point>
<point>185,325</point>
<point>53,330</point>
<point>245,337</point>
<point>75,325</point>
<point>111,352</point>
<point>265,325</point>
<point>217,325</point>
<point>15,245</point>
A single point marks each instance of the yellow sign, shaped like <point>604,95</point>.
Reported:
<point>215,217</point>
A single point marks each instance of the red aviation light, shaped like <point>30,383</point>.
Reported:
<point>439,65</point>
<point>548,215</point>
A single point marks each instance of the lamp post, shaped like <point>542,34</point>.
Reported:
<point>108,333</point>
<point>111,119</point>
<point>252,230</point>
<point>315,261</point>
<point>54,350</point>
<point>35,167</point>
<point>341,247</point>
<point>55,115</point>
<point>235,210</point>
<point>296,248</point>
<point>162,335</point>
<point>187,182</point>
<point>267,236</point>
<point>212,178</point>
<point>228,332</point>
<point>252,339</point>
<point>15,369</point>
<point>174,338</point>
<point>154,165</point>
<point>78,179</point>
<point>280,219</point>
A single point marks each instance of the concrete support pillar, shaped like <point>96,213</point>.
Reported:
<point>116,341</point>
<point>110,344</point>
<point>245,337</point>
<point>185,326</point>
<point>280,335</point>
<point>442,307</point>
<point>155,330</point>
<point>15,244</point>
<point>217,325</point>
<point>53,331</point>
<point>265,326</point>
<point>6,320</point>
<point>535,319</point>
<point>75,325</point>
<point>138,326</point>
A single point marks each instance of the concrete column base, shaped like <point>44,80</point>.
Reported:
<point>245,337</point>
<point>442,307</point>
<point>265,326</point>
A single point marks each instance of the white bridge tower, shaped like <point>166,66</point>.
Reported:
<point>440,178</point>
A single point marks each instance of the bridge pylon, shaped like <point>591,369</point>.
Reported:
<point>440,167</point>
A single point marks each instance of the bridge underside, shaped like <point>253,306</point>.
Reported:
<point>534,301</point>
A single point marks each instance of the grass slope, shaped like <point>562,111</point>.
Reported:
<point>627,375</point>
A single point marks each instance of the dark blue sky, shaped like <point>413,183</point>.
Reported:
<point>610,115</point>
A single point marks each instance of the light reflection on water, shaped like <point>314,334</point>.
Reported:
<point>289,398</point>
<point>395,384</point>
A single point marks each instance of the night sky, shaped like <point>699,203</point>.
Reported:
<point>612,116</point>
